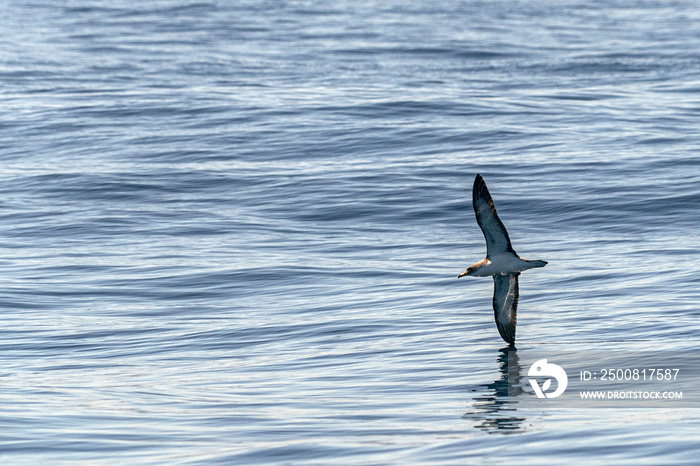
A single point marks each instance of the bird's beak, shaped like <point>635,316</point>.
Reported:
<point>463,274</point>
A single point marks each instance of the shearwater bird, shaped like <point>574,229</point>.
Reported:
<point>501,262</point>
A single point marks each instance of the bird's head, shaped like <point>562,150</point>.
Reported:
<point>466,272</point>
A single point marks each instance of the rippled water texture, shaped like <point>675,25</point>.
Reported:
<point>230,232</point>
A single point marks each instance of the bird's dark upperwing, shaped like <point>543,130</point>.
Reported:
<point>497,240</point>
<point>505,304</point>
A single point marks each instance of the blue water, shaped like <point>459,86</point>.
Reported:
<point>230,231</point>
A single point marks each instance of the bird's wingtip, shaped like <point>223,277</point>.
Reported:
<point>478,182</point>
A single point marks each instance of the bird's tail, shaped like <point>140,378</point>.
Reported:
<point>537,263</point>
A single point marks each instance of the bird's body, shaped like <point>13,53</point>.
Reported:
<point>501,262</point>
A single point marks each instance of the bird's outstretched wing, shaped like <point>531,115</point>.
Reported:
<point>505,304</point>
<point>497,240</point>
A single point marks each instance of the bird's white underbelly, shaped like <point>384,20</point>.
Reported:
<point>501,264</point>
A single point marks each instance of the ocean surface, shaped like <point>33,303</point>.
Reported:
<point>230,231</point>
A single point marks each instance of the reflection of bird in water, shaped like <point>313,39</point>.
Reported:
<point>501,262</point>
<point>494,407</point>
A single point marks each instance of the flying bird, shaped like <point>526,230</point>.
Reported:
<point>501,262</point>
